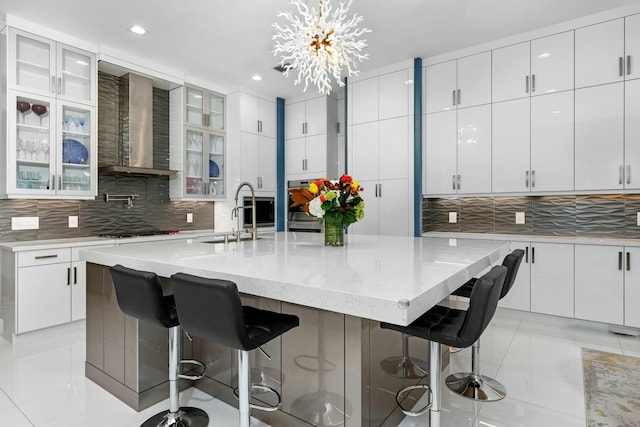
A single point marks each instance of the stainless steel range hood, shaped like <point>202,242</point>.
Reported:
<point>136,126</point>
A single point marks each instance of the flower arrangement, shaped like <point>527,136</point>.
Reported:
<point>335,202</point>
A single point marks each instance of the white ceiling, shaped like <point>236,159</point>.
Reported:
<point>227,41</point>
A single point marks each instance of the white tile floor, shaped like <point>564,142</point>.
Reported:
<point>536,357</point>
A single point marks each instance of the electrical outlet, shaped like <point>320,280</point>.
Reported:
<point>519,217</point>
<point>638,219</point>
<point>453,217</point>
<point>25,223</point>
<point>189,218</point>
<point>73,221</point>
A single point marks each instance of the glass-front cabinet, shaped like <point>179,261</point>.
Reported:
<point>45,67</point>
<point>51,140</point>
<point>197,149</point>
<point>204,108</point>
<point>52,148</point>
<point>204,163</point>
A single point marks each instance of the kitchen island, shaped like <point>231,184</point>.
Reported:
<point>328,369</point>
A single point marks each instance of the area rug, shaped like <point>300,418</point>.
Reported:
<point>611,389</point>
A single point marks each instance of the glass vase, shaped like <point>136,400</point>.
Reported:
<point>333,234</point>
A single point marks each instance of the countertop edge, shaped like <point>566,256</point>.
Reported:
<point>536,238</point>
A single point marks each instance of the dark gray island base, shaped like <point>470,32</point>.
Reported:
<point>327,370</point>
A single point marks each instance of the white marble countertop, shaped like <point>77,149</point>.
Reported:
<point>392,279</point>
<point>29,245</point>
<point>607,241</point>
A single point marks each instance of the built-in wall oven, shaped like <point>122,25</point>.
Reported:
<point>297,220</point>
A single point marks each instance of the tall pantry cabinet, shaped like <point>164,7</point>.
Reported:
<point>380,155</point>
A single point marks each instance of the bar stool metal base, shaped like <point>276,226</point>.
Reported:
<point>476,387</point>
<point>405,367</point>
<point>262,389</point>
<point>186,417</point>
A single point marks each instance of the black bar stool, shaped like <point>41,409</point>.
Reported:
<point>449,326</point>
<point>472,384</point>
<point>139,295</point>
<point>211,309</point>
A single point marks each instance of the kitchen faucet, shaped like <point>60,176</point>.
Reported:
<point>235,211</point>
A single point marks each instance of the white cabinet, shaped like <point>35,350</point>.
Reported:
<point>599,127</point>
<point>197,149</point>
<point>600,53</point>
<point>43,67</point>
<point>364,101</point>
<point>257,115</point>
<point>52,148</point>
<point>381,167</point>
<point>511,140</point>
<point>510,72</point>
<point>459,83</point>
<point>599,283</point>
<point>533,144</point>
<point>204,108</point>
<point>49,287</point>
<point>258,165</point>
<point>632,134</point>
<point>458,151</point>
<point>519,296</point>
<point>552,278</point>
<point>632,46</point>
<point>311,138</point>
<point>631,286</point>
<point>533,68</point>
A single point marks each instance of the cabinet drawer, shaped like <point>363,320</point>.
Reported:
<point>43,256</point>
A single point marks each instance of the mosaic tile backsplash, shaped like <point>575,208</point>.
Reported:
<point>602,216</point>
<point>152,210</point>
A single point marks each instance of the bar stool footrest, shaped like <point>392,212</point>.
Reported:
<point>263,388</point>
<point>193,377</point>
<point>409,412</point>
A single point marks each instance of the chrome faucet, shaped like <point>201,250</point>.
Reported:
<point>236,209</point>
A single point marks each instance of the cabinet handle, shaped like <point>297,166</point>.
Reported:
<point>75,275</point>
<point>533,179</point>
<point>454,97</point>
<point>208,120</point>
<point>628,261</point>
<point>526,254</point>
<point>380,191</point>
<point>46,256</point>
<point>620,173</point>
<point>53,183</point>
<point>60,87</point>
<point>526,179</point>
<point>619,260</point>
<point>453,182</point>
<point>458,181</point>
<point>260,126</point>
<point>533,255</point>
<point>338,127</point>
<point>68,276</point>
<point>459,98</point>
<point>628,64</point>
<point>533,82</point>
<point>526,84</point>
<point>53,84</point>
<point>628,174</point>
<point>59,182</point>
<point>620,66</point>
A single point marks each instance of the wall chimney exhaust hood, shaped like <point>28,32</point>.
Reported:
<point>135,151</point>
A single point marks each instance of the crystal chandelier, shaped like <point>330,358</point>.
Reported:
<point>320,44</point>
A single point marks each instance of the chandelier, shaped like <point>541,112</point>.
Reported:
<point>320,43</point>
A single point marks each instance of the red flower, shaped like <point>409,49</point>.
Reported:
<point>322,198</point>
<point>345,179</point>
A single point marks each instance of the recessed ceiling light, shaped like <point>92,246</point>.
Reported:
<point>137,29</point>
<point>256,77</point>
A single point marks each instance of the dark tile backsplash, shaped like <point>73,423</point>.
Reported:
<point>601,216</point>
<point>151,210</point>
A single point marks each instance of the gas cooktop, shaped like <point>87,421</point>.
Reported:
<point>125,234</point>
